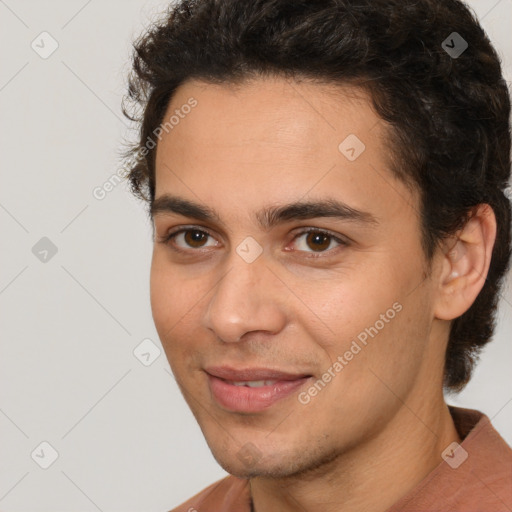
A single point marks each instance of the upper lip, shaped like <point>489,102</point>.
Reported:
<point>250,374</point>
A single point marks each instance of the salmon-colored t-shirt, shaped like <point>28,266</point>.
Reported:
<point>475,479</point>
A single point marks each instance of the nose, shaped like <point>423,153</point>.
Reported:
<point>247,298</point>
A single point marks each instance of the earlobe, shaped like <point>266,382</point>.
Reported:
<point>465,262</point>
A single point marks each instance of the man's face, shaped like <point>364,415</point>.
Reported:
<point>248,292</point>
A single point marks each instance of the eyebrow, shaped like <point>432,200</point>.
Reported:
<point>269,216</point>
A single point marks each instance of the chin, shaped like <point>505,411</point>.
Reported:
<point>248,463</point>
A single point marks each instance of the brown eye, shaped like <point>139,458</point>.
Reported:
<point>195,238</point>
<point>189,239</point>
<point>318,241</point>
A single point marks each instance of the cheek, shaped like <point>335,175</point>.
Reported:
<point>386,354</point>
<point>160,296</point>
<point>168,295</point>
<point>175,302</point>
<point>348,302</point>
<point>373,318</point>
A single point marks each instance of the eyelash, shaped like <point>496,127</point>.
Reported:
<point>171,235</point>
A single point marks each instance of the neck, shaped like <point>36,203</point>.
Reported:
<point>369,478</point>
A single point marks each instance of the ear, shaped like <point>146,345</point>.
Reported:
<point>465,262</point>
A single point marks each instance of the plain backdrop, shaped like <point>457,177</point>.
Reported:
<point>74,278</point>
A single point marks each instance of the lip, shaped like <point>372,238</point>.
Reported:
<point>230,373</point>
<point>252,400</point>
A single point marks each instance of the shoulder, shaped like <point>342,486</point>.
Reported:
<point>489,471</point>
<point>475,476</point>
<point>230,494</point>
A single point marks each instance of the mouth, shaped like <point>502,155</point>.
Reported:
<point>253,389</point>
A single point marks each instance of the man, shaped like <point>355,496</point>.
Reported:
<point>326,181</point>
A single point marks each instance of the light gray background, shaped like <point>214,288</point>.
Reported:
<point>125,439</point>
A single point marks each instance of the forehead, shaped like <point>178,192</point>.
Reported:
<point>303,115</point>
<point>274,139</point>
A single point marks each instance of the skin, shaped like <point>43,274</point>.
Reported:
<point>380,425</point>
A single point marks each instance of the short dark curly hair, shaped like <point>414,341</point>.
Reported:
<point>449,113</point>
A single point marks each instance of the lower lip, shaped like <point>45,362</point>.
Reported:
<point>246,399</point>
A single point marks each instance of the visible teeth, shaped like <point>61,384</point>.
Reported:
<point>254,383</point>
